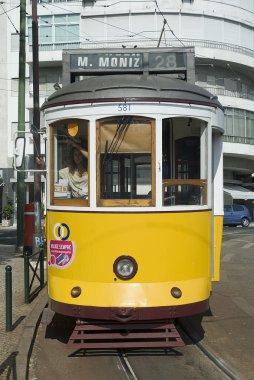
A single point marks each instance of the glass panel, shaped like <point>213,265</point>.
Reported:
<point>72,33</point>
<point>70,159</point>
<point>182,167</point>
<point>229,122</point>
<point>60,19</point>
<point>30,36</point>
<point>184,193</point>
<point>125,158</point>
<point>45,34</point>
<point>67,33</point>
<point>44,20</point>
<point>60,33</point>
<point>73,18</point>
<point>250,125</point>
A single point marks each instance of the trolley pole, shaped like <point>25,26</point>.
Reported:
<point>36,122</point>
<point>21,121</point>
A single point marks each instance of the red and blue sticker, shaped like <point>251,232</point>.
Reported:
<point>61,250</point>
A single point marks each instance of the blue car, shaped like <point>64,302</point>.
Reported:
<point>236,215</point>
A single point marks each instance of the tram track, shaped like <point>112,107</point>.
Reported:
<point>126,366</point>
<point>204,360</point>
<point>203,349</point>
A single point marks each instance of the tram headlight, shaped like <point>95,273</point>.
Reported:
<point>125,267</point>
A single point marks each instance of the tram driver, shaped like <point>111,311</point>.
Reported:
<point>76,173</point>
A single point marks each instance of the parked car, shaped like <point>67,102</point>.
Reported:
<point>236,215</point>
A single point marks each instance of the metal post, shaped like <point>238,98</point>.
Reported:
<point>26,276</point>
<point>36,121</point>
<point>21,120</point>
<point>41,267</point>
<point>8,295</point>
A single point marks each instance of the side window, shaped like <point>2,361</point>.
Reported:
<point>227,208</point>
<point>238,208</point>
<point>69,162</point>
<point>125,161</point>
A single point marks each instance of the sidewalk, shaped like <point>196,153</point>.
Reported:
<point>20,311</point>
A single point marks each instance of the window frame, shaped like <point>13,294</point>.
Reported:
<point>149,202</point>
<point>80,202</point>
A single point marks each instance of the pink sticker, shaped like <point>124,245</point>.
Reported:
<point>61,253</point>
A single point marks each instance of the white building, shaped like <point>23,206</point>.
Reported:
<point>221,32</point>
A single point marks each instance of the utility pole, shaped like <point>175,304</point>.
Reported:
<point>36,122</point>
<point>21,122</point>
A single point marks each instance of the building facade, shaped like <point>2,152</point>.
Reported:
<point>222,34</point>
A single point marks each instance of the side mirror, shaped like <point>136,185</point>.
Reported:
<point>19,152</point>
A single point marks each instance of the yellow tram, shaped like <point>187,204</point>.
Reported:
<point>139,238</point>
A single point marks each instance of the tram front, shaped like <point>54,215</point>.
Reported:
<point>135,199</point>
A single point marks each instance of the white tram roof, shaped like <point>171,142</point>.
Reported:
<point>126,88</point>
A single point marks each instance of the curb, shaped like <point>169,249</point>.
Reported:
<point>25,345</point>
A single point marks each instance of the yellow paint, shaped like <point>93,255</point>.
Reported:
<point>171,249</point>
<point>218,229</point>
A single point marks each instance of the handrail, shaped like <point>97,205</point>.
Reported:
<point>37,273</point>
<point>187,42</point>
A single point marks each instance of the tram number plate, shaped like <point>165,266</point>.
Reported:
<point>123,107</point>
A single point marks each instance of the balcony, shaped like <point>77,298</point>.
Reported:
<point>238,139</point>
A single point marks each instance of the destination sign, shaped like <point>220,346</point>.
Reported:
<point>107,61</point>
<point>178,62</point>
<point>164,61</point>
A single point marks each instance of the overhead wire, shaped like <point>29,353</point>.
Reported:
<point>9,10</point>
<point>99,21</point>
<point>4,11</point>
<point>166,22</point>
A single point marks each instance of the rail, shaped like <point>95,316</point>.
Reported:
<point>223,92</point>
<point>183,42</point>
<point>238,139</point>
<point>184,192</point>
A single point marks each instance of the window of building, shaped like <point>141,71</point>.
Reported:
<point>69,163</point>
<point>239,125</point>
<point>14,42</point>
<point>125,161</point>
<point>56,29</point>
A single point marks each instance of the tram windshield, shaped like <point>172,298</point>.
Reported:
<point>125,158</point>
<point>125,162</point>
<point>70,161</point>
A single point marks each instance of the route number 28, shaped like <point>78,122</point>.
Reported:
<point>123,107</point>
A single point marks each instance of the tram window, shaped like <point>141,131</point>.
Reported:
<point>69,162</point>
<point>125,167</point>
<point>182,145</point>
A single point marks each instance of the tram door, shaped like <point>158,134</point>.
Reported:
<point>181,151</point>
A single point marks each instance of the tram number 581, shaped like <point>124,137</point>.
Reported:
<point>123,107</point>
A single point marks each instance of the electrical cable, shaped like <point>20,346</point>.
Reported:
<point>5,12</point>
<point>166,22</point>
<point>9,19</point>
